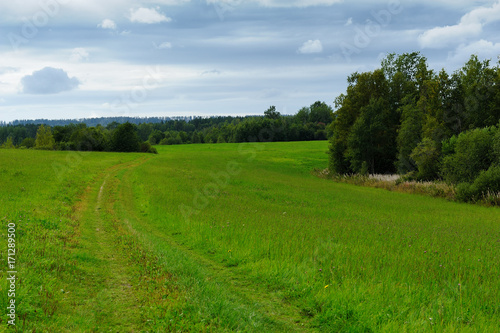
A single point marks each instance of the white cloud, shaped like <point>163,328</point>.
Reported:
<point>470,25</point>
<point>107,24</point>
<point>147,15</point>
<point>483,49</point>
<point>311,46</point>
<point>48,80</point>
<point>79,54</point>
<point>442,37</point>
<point>349,22</point>
<point>163,46</point>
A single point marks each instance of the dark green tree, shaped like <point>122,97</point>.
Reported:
<point>320,112</point>
<point>125,139</point>
<point>271,113</point>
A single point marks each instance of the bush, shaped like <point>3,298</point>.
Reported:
<point>486,185</point>
<point>465,192</point>
<point>147,148</point>
<point>473,154</point>
<point>28,143</point>
<point>496,147</point>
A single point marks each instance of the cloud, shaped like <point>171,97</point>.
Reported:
<point>311,46</point>
<point>7,70</point>
<point>349,22</point>
<point>107,24</point>
<point>470,25</point>
<point>48,81</point>
<point>147,15</point>
<point>79,54</point>
<point>212,72</point>
<point>483,49</point>
<point>163,46</point>
<point>278,3</point>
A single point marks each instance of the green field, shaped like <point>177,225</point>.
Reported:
<point>237,238</point>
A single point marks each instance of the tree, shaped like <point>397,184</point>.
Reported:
<point>303,115</point>
<point>409,135</point>
<point>321,113</point>
<point>271,113</point>
<point>367,149</point>
<point>44,138</point>
<point>480,91</point>
<point>8,144</point>
<point>155,137</point>
<point>125,139</point>
<point>346,150</point>
<point>426,156</point>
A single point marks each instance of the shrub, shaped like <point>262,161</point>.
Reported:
<point>147,148</point>
<point>496,147</point>
<point>485,185</point>
<point>473,154</point>
<point>28,143</point>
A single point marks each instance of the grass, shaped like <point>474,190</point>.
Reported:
<point>241,237</point>
<point>391,261</point>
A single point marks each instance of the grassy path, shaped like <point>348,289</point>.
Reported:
<point>276,315</point>
<point>108,300</point>
<point>127,286</point>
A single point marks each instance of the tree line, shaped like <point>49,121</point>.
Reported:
<point>118,138</point>
<point>406,118</point>
<point>310,123</point>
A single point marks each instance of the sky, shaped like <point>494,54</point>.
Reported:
<point>71,59</point>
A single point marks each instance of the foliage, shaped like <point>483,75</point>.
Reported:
<point>486,186</point>
<point>125,139</point>
<point>8,144</point>
<point>28,143</point>
<point>271,113</point>
<point>473,154</point>
<point>44,138</point>
<point>496,146</point>
<point>364,129</point>
<point>426,156</point>
<point>426,124</point>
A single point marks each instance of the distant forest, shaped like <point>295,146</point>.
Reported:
<point>92,122</point>
<point>310,123</point>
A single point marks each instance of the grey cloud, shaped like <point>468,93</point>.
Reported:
<point>48,81</point>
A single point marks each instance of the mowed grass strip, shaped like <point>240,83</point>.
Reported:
<point>350,258</point>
